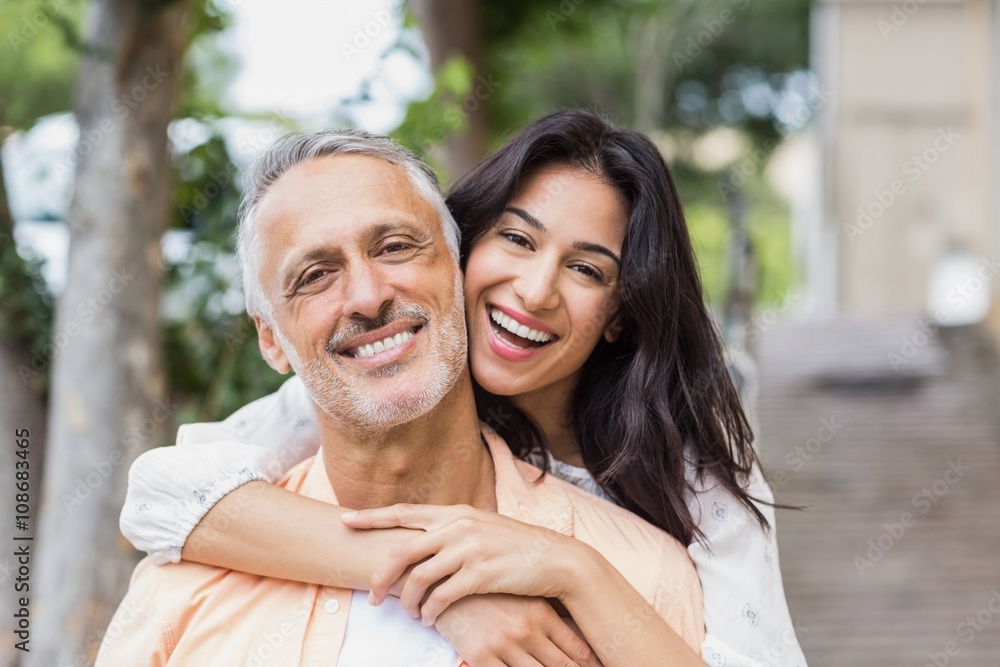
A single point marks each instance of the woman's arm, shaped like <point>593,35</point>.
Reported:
<point>171,489</point>
<point>466,551</point>
<point>746,616</point>
<point>266,530</point>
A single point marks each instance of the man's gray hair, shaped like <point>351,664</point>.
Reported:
<point>294,149</point>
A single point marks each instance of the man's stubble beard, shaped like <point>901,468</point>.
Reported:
<point>367,413</point>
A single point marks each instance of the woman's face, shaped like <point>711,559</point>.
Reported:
<point>541,287</point>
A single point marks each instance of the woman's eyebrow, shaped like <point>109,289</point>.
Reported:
<point>527,217</point>
<point>599,249</point>
<point>579,245</point>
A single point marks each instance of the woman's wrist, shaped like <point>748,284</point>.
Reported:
<point>579,565</point>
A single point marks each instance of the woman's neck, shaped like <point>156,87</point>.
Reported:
<point>549,409</point>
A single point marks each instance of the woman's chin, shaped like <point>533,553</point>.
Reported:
<point>495,381</point>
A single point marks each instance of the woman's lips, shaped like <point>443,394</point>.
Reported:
<point>507,348</point>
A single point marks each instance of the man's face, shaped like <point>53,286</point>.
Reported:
<point>366,297</point>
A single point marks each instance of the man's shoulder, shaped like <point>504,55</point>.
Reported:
<point>656,564</point>
<point>591,511</point>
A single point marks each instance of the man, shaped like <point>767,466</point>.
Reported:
<point>345,242</point>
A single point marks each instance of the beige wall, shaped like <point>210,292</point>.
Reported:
<point>907,137</point>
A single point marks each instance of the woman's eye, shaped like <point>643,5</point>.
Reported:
<point>588,271</point>
<point>516,239</point>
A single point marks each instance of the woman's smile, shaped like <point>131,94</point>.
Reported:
<point>511,337</point>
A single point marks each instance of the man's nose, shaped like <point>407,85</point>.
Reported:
<point>367,292</point>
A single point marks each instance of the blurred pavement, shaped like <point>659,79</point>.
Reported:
<point>896,558</point>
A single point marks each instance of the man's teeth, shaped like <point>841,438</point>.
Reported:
<point>521,330</point>
<point>382,345</point>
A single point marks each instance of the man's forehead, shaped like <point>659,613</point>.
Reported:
<point>336,177</point>
<point>359,186</point>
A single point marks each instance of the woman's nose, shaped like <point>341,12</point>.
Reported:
<point>537,285</point>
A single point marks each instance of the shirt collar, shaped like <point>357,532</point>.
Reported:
<point>519,495</point>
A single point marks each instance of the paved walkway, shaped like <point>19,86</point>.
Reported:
<point>896,560</point>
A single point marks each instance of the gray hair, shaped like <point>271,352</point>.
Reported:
<point>294,149</point>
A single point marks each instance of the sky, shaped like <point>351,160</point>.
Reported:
<point>302,57</point>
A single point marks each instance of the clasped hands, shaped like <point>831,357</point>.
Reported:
<point>492,571</point>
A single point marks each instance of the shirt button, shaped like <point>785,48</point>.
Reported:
<point>331,606</point>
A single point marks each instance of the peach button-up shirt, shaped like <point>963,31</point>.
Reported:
<point>192,614</point>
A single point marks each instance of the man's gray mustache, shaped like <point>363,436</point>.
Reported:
<point>359,326</point>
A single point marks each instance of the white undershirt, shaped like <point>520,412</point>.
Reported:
<point>369,629</point>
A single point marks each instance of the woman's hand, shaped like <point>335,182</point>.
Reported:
<point>465,551</point>
<point>490,630</point>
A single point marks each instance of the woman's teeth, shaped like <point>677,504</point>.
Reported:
<point>382,345</point>
<point>520,330</point>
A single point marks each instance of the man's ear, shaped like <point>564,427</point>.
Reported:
<point>270,347</point>
<point>614,328</point>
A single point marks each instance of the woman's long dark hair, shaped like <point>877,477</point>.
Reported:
<point>663,384</point>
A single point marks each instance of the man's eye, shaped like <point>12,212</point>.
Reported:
<point>396,247</point>
<point>312,277</point>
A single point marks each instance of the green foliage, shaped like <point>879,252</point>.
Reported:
<point>25,302</point>
<point>770,234</point>
<point>429,123</point>
<point>586,53</point>
<point>39,60</point>
<point>210,347</point>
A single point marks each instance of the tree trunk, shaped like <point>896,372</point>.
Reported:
<point>452,28</point>
<point>22,409</point>
<point>107,397</point>
<point>656,71</point>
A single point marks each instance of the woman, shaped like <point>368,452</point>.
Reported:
<point>594,356</point>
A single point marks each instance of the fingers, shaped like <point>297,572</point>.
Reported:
<point>442,597</point>
<point>435,570</point>
<point>550,655</point>
<point>407,515</point>
<point>401,515</point>
<point>572,645</point>
<point>401,556</point>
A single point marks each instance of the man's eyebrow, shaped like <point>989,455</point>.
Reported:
<point>579,245</point>
<point>388,228</point>
<point>292,272</point>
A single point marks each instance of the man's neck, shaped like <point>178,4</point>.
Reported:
<point>437,459</point>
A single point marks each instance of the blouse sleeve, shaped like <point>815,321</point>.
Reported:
<point>746,616</point>
<point>170,489</point>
